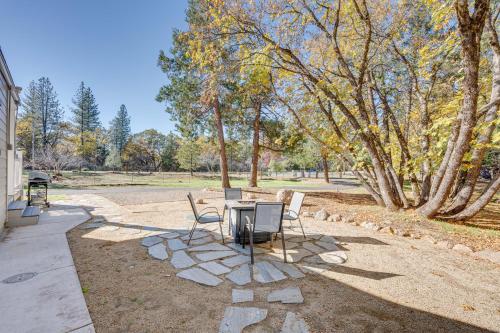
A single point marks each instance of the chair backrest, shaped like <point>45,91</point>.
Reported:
<point>268,216</point>
<point>193,206</point>
<point>296,203</point>
<point>232,194</point>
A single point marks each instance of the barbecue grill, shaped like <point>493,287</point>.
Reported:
<point>38,180</point>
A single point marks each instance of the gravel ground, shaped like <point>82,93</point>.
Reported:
<point>388,284</point>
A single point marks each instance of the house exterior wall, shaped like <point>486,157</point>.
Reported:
<point>9,100</point>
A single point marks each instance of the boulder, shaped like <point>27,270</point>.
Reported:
<point>370,226</point>
<point>493,256</point>
<point>284,196</point>
<point>200,201</point>
<point>462,248</point>
<point>335,218</point>
<point>321,215</point>
<point>387,230</point>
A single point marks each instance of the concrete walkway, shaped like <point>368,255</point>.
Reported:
<point>51,300</point>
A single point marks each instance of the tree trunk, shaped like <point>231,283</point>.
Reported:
<point>465,191</point>
<point>222,146</point>
<point>479,204</point>
<point>470,29</point>
<point>325,168</point>
<point>255,147</point>
<point>425,146</point>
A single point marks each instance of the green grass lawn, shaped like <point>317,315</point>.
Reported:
<point>77,180</point>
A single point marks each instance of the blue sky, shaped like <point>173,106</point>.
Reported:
<point>111,45</point>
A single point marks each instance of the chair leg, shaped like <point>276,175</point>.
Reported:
<point>243,238</point>
<point>303,233</point>
<point>291,224</point>
<point>251,247</point>
<point>283,244</point>
<point>222,235</point>
<point>192,231</point>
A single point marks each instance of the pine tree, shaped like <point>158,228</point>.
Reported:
<point>43,112</point>
<point>120,129</point>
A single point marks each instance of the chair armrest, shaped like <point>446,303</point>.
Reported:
<point>212,211</point>
<point>249,223</point>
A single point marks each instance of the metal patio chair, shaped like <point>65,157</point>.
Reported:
<point>231,194</point>
<point>293,212</point>
<point>268,217</point>
<point>204,218</point>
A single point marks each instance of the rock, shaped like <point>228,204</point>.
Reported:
<point>251,196</point>
<point>240,276</point>
<point>150,241</point>
<point>289,269</point>
<point>200,241</point>
<point>158,251</point>
<point>284,196</point>
<point>209,247</point>
<point>291,295</point>
<point>370,226</point>
<point>200,201</point>
<point>490,255</point>
<point>348,219</point>
<point>334,257</point>
<point>335,218</point>
<point>196,234</point>
<point>235,261</point>
<point>327,245</point>
<point>444,244</point>
<point>176,244</point>
<point>294,255</point>
<point>200,276</point>
<point>169,235</point>
<point>293,324</point>
<point>209,256</point>
<point>236,318</point>
<point>214,267</point>
<point>321,215</point>
<point>242,295</point>
<point>429,239</point>
<point>180,259</point>
<point>387,230</point>
<point>313,248</point>
<point>264,272</point>
<point>415,235</point>
<point>462,248</point>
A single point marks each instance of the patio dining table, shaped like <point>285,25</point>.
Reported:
<point>238,211</point>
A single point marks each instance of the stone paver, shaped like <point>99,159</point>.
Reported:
<point>200,276</point>
<point>242,295</point>
<point>208,256</point>
<point>169,235</point>
<point>92,225</point>
<point>158,251</point>
<point>293,255</point>
<point>235,261</point>
<point>327,245</point>
<point>294,324</point>
<point>176,244</point>
<point>291,295</point>
<point>240,276</point>
<point>313,248</point>
<point>151,240</point>
<point>214,267</point>
<point>108,228</point>
<point>200,241</point>
<point>289,269</point>
<point>264,272</point>
<point>209,247</point>
<point>237,318</point>
<point>196,234</point>
<point>180,259</point>
<point>334,257</point>
<point>246,250</point>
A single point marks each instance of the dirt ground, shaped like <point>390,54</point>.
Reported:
<point>388,284</point>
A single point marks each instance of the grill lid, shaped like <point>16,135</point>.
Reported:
<point>38,176</point>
